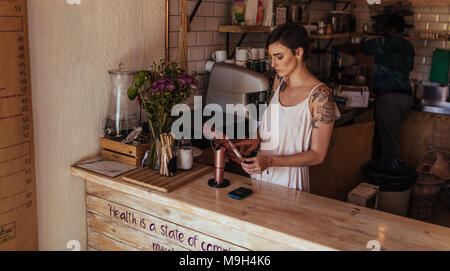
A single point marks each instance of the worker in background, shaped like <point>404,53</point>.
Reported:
<point>394,60</point>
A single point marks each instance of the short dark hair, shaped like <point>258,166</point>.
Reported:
<point>292,36</point>
<point>395,22</point>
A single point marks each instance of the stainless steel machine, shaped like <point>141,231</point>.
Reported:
<point>234,85</point>
<point>231,84</point>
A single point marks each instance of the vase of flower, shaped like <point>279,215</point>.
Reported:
<point>158,90</point>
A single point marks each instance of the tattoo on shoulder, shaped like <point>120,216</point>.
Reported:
<point>326,113</point>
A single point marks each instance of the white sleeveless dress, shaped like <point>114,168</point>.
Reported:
<point>284,131</point>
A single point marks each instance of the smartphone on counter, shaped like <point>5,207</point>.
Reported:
<point>240,193</point>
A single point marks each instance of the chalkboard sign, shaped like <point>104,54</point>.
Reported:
<point>18,214</point>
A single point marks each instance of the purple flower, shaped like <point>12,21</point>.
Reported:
<point>155,84</point>
<point>161,86</point>
<point>194,83</point>
<point>181,80</point>
<point>171,87</point>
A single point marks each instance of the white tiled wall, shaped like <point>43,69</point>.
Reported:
<point>426,18</point>
<point>203,38</point>
<point>436,19</point>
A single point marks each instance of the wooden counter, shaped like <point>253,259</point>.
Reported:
<point>125,216</point>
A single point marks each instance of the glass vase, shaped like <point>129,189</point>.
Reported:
<point>154,157</point>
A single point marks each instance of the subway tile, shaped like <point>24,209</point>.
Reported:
<point>439,9</point>
<point>206,9</point>
<point>174,23</point>
<point>192,39</point>
<point>201,67</point>
<point>212,23</point>
<point>192,67</point>
<point>173,39</point>
<point>423,9</point>
<point>428,17</point>
<point>437,44</point>
<point>225,20</point>
<point>438,27</point>
<point>174,7</point>
<point>198,24</point>
<point>222,9</point>
<point>235,37</point>
<point>422,51</point>
<point>220,38</point>
<point>196,53</point>
<point>260,37</point>
<point>173,54</point>
<point>421,26</point>
<point>205,38</point>
<point>423,68</point>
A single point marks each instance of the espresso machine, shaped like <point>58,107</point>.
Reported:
<point>234,85</point>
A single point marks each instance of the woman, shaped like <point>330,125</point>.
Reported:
<point>298,123</point>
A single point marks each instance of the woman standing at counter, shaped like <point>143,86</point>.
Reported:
<point>297,126</point>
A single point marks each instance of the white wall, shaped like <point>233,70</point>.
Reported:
<point>72,49</point>
<point>203,38</point>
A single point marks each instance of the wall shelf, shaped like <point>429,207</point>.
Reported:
<point>244,29</point>
<point>267,29</point>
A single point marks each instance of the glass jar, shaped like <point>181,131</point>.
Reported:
<point>123,113</point>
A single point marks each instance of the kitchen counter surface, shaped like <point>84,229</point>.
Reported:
<point>272,218</point>
<point>436,107</point>
<point>349,115</point>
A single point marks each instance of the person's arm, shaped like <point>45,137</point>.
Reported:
<point>324,115</point>
<point>247,146</point>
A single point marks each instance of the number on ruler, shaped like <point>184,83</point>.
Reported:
<point>18,8</point>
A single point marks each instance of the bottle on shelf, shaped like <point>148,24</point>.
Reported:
<point>281,12</point>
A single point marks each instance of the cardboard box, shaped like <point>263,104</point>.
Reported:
<point>365,195</point>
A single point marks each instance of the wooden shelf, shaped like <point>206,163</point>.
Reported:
<point>265,29</point>
<point>244,29</point>
<point>332,36</point>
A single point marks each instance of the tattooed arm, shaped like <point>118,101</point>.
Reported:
<point>323,110</point>
<point>323,113</point>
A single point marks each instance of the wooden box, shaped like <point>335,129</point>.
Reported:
<point>365,195</point>
<point>125,153</point>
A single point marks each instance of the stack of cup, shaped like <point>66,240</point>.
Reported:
<point>242,56</point>
<point>257,62</point>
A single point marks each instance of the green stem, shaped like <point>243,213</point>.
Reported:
<point>149,117</point>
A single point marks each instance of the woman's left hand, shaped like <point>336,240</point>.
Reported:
<point>256,165</point>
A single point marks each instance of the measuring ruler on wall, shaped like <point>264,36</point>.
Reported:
<point>18,214</point>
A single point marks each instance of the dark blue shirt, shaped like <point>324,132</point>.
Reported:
<point>394,60</point>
